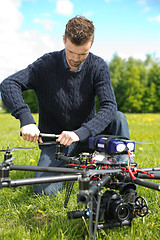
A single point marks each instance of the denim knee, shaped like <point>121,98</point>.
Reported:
<point>118,126</point>
<point>120,118</point>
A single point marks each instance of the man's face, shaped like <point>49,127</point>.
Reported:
<point>76,55</point>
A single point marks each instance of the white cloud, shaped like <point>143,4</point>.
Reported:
<point>154,19</point>
<point>142,2</point>
<point>47,24</point>
<point>88,14</point>
<point>10,17</point>
<point>108,1</point>
<point>64,7</point>
<point>19,48</point>
<point>137,50</point>
<point>146,9</point>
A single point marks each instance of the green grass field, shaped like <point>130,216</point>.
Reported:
<point>23,216</point>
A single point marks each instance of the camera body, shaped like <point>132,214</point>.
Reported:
<point>114,210</point>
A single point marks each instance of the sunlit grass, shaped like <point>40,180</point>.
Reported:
<point>26,217</point>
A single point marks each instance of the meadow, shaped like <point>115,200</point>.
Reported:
<point>24,216</point>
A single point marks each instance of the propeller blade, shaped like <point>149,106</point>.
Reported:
<point>21,148</point>
<point>16,149</point>
<point>143,143</point>
<point>103,171</point>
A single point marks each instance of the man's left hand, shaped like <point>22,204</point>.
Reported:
<point>67,138</point>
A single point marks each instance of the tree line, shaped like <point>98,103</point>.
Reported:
<point>136,84</point>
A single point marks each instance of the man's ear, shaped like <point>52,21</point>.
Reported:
<point>64,41</point>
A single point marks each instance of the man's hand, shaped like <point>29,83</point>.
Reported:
<point>31,133</point>
<point>67,138</point>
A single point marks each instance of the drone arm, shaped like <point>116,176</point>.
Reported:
<point>140,182</point>
<point>41,180</point>
<point>96,187</point>
<point>150,169</point>
<point>150,175</point>
<point>147,184</point>
<point>44,169</point>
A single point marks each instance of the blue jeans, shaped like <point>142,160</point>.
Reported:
<point>118,127</point>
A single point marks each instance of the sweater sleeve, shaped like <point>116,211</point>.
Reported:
<point>11,91</point>
<point>28,78</point>
<point>107,101</point>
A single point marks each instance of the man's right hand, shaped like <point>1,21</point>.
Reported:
<point>31,133</point>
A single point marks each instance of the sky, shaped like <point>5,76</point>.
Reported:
<point>31,28</point>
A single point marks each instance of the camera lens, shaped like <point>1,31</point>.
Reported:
<point>78,214</point>
<point>122,212</point>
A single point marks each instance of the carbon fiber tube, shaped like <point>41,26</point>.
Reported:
<point>49,135</point>
<point>44,169</point>
<point>42,180</point>
<point>114,224</point>
<point>140,182</point>
<point>94,188</point>
<point>147,184</point>
<point>146,176</point>
<point>150,169</point>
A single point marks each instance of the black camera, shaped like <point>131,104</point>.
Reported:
<point>114,209</point>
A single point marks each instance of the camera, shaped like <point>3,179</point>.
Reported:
<point>113,210</point>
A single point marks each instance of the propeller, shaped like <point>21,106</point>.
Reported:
<point>103,171</point>
<point>15,149</point>
<point>143,143</point>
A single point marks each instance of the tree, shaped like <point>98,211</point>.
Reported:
<point>117,70</point>
<point>134,90</point>
<point>154,87</point>
<point>30,98</point>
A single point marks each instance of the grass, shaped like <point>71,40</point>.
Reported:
<point>23,216</point>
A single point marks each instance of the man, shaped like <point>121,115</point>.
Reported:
<point>66,83</point>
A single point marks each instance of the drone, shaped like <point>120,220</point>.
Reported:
<point>108,177</point>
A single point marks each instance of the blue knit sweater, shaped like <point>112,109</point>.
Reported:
<point>66,99</point>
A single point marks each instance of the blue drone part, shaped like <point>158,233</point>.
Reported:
<point>113,146</point>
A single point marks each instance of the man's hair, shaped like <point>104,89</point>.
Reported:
<point>79,30</point>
